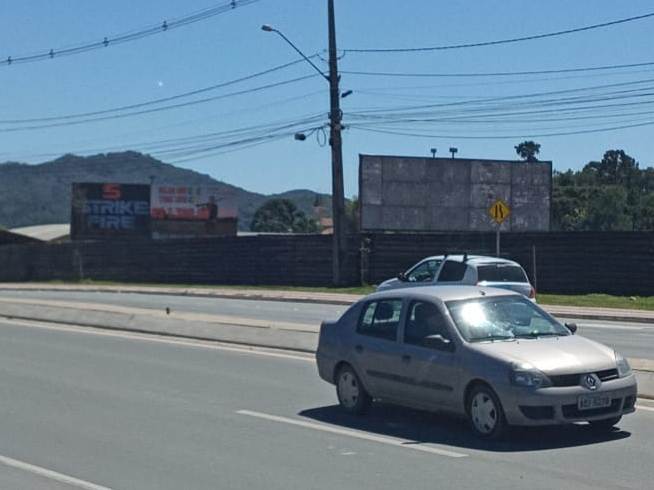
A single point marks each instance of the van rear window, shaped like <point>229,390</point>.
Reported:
<point>501,273</point>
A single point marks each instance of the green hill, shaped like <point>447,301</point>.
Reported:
<point>40,194</point>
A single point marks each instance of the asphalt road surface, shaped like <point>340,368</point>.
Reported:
<point>634,340</point>
<point>96,410</point>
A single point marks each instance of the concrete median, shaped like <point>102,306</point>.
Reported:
<point>296,296</point>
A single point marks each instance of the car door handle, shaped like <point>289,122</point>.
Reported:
<point>406,358</point>
<point>358,348</point>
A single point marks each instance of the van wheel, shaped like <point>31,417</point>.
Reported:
<point>605,425</point>
<point>485,413</point>
<point>352,396</point>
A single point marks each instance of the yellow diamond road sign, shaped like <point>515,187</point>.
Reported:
<point>499,211</point>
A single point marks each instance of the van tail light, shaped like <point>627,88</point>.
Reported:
<point>532,293</point>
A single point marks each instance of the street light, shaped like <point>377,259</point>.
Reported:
<point>269,28</point>
<point>433,152</point>
<point>454,151</point>
<point>335,116</point>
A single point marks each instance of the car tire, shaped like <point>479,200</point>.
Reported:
<point>485,413</point>
<point>605,425</point>
<point>352,396</point>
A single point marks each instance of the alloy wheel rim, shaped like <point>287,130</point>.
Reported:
<point>484,413</point>
<point>348,390</point>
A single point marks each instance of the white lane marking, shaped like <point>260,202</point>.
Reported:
<point>649,409</point>
<point>52,475</point>
<point>355,433</point>
<point>214,345</point>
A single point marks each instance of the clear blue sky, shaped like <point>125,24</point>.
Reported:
<point>232,45</point>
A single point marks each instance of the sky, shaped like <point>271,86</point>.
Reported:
<point>232,45</point>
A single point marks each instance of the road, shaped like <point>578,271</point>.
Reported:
<point>635,340</point>
<point>85,409</point>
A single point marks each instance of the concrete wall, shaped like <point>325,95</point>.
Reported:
<point>444,194</point>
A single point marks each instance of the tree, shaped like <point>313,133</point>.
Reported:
<point>608,210</point>
<point>282,216</point>
<point>528,150</point>
<point>615,168</point>
<point>352,215</point>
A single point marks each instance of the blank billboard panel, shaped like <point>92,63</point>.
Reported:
<point>445,194</point>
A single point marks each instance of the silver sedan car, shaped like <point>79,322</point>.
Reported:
<point>487,354</point>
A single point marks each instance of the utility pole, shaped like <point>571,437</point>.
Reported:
<point>335,116</point>
<point>335,141</point>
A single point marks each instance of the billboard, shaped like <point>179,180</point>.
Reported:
<point>191,203</point>
<point>445,194</point>
<point>110,210</point>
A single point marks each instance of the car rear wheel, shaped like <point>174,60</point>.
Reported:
<point>604,425</point>
<point>485,413</point>
<point>352,396</point>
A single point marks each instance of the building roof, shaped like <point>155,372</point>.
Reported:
<point>10,238</point>
<point>45,233</point>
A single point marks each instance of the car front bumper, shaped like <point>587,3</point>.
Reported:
<point>559,405</point>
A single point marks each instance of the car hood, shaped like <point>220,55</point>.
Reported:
<point>389,284</point>
<point>552,355</point>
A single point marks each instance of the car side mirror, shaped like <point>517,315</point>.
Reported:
<point>572,327</point>
<point>437,341</point>
<point>402,277</point>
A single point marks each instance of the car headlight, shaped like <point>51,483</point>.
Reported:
<point>624,369</point>
<point>526,375</point>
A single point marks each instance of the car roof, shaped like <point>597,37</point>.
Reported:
<point>473,259</point>
<point>443,293</point>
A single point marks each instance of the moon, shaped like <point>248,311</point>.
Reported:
<point>160,83</point>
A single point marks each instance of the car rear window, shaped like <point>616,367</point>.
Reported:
<point>501,273</point>
<point>381,319</point>
<point>452,271</point>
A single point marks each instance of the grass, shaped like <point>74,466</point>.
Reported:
<point>599,301</point>
<point>589,300</point>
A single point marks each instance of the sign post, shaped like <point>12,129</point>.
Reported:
<point>498,212</point>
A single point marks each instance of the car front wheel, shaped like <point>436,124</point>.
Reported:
<point>485,413</point>
<point>352,396</point>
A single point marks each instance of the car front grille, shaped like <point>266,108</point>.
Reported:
<point>541,412</point>
<point>572,412</point>
<point>573,379</point>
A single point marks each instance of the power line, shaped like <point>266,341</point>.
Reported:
<point>497,74</point>
<point>130,36</point>
<point>514,136</point>
<point>188,142</point>
<point>507,97</point>
<point>503,41</point>
<point>157,109</point>
<point>154,101</point>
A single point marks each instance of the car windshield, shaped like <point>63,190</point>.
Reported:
<point>501,273</point>
<point>502,318</point>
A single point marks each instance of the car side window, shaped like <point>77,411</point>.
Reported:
<point>424,272</point>
<point>425,321</point>
<point>381,319</point>
<point>452,271</point>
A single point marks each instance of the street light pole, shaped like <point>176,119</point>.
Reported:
<point>335,141</point>
<point>335,116</point>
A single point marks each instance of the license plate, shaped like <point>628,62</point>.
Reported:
<point>588,402</point>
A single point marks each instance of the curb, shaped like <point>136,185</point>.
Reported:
<point>158,334</point>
